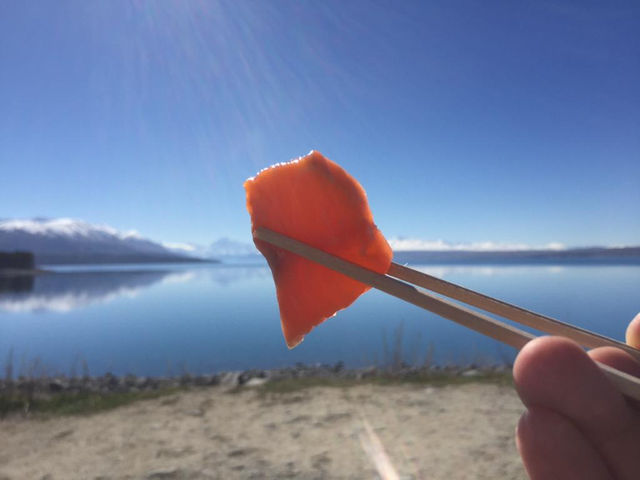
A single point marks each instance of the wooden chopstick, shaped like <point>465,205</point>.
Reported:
<point>627,384</point>
<point>503,309</point>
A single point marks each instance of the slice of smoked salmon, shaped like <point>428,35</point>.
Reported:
<point>314,200</point>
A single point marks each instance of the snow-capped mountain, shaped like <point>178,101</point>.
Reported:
<point>223,248</point>
<point>226,247</point>
<point>66,240</point>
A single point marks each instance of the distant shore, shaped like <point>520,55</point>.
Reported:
<point>14,272</point>
<point>569,256</point>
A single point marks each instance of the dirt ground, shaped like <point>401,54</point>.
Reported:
<point>453,432</point>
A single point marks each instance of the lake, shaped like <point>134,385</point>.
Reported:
<point>170,319</point>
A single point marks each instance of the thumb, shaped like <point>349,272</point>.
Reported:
<point>633,332</point>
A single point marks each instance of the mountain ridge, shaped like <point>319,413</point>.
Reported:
<point>71,241</point>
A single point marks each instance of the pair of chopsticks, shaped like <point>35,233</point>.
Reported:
<point>401,281</point>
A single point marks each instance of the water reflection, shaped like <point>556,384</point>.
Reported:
<point>216,317</point>
<point>66,291</point>
<point>225,276</point>
<point>16,283</point>
<point>443,271</point>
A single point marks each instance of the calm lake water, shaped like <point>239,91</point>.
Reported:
<point>167,319</point>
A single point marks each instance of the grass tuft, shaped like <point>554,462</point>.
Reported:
<point>76,403</point>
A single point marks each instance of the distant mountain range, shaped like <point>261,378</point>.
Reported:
<point>69,241</point>
<point>222,248</point>
<point>440,252</point>
<point>594,255</point>
<point>482,254</point>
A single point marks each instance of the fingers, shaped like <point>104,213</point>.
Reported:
<point>616,358</point>
<point>556,374</point>
<point>633,332</point>
<point>552,447</point>
<point>619,359</point>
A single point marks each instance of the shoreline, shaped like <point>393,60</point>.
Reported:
<point>65,394</point>
<point>459,430</point>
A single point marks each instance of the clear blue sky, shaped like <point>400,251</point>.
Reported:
<point>464,121</point>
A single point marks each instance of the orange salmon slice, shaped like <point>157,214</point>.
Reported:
<point>315,201</point>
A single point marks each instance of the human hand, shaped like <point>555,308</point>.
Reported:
<point>577,424</point>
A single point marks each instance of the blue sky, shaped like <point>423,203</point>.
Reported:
<point>465,121</point>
